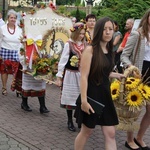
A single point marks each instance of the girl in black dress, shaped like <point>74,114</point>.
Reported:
<point>96,69</point>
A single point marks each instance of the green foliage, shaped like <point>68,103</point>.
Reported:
<point>61,2</point>
<point>121,10</point>
<point>62,9</point>
<point>78,14</point>
<point>77,2</point>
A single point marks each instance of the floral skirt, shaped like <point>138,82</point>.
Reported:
<point>17,80</point>
<point>8,67</point>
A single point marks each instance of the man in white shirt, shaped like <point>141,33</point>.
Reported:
<point>1,20</point>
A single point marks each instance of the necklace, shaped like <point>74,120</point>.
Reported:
<point>10,31</point>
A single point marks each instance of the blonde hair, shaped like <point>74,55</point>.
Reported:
<point>75,31</point>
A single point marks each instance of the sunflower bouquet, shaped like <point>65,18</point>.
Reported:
<point>129,96</point>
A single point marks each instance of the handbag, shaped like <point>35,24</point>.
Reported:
<point>97,106</point>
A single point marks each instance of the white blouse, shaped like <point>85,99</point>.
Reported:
<point>147,50</point>
<point>63,60</point>
<point>10,41</point>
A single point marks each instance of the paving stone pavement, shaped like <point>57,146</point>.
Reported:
<point>20,130</point>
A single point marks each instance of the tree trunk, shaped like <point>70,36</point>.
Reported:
<point>35,2</point>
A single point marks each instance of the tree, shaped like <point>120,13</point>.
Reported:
<point>78,14</point>
<point>121,10</point>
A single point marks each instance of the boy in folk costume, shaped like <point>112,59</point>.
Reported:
<point>90,23</point>
<point>68,70</point>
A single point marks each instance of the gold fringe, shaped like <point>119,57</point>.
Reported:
<point>127,119</point>
<point>128,127</point>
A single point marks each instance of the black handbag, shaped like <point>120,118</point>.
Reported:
<point>97,106</point>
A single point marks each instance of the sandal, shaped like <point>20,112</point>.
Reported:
<point>4,91</point>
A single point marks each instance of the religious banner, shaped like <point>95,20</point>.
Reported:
<point>53,27</point>
<point>44,34</point>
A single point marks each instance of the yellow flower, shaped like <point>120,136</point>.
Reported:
<point>56,56</point>
<point>145,91</point>
<point>74,57</point>
<point>115,89</point>
<point>74,61</point>
<point>134,99</point>
<point>131,83</point>
<point>73,64</point>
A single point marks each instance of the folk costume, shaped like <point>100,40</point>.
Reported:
<point>68,69</point>
<point>88,37</point>
<point>30,86</point>
<point>9,58</point>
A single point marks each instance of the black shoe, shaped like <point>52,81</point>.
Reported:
<point>143,148</point>
<point>44,110</point>
<point>129,147</point>
<point>26,107</point>
<point>71,126</point>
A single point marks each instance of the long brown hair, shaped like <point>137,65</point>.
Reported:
<point>144,24</point>
<point>99,60</point>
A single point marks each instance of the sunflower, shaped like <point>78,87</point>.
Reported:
<point>134,100</point>
<point>131,83</point>
<point>145,91</point>
<point>115,89</point>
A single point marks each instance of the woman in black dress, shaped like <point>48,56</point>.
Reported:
<point>96,69</point>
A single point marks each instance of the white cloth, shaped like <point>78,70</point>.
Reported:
<point>22,57</point>
<point>147,51</point>
<point>29,83</point>
<point>10,41</point>
<point>2,22</point>
<point>63,60</point>
<point>39,37</point>
<point>22,61</point>
<point>71,88</point>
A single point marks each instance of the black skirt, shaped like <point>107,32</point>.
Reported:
<point>102,94</point>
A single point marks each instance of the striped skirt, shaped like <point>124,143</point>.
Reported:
<point>32,87</point>
<point>70,89</point>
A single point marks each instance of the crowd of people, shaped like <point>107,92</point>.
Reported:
<point>95,52</point>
